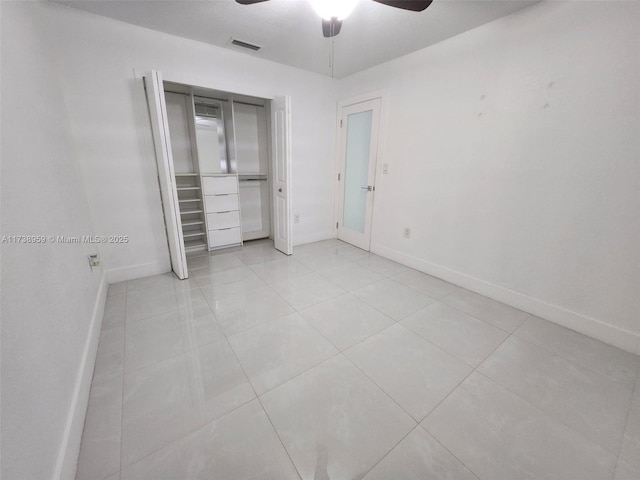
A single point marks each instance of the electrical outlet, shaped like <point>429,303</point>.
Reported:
<point>407,232</point>
<point>296,218</point>
<point>385,168</point>
<point>94,261</point>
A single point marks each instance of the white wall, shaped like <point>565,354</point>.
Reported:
<point>108,111</point>
<point>514,156</point>
<point>51,299</point>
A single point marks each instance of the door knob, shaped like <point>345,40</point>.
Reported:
<point>280,190</point>
<point>368,188</point>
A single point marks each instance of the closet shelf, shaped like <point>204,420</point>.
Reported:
<point>194,246</point>
<point>190,223</point>
<point>187,200</point>
<point>186,175</point>
<point>186,187</point>
<point>190,211</point>
<point>194,234</point>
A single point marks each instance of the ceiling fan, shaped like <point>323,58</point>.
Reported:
<point>334,12</point>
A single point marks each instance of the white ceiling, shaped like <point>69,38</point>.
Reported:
<point>290,31</point>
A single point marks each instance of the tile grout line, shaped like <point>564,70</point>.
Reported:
<point>124,357</point>
<point>464,379</point>
<point>273,427</point>
<point>606,448</point>
<point>480,319</point>
<point>517,328</point>
<point>570,360</point>
<point>552,419</point>
<point>435,346</point>
<point>199,426</point>
<point>342,350</point>
<point>390,450</point>
<point>300,374</point>
<point>124,372</point>
<point>418,422</point>
<point>447,449</point>
<point>545,414</point>
<point>340,354</point>
<point>626,424</point>
<point>257,397</point>
<point>394,322</point>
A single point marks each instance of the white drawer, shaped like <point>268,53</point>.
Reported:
<point>214,185</point>
<point>227,236</point>
<point>221,203</point>
<point>223,220</point>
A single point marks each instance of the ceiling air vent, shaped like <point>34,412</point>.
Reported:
<point>247,45</point>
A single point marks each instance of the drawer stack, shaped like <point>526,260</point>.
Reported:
<point>222,210</point>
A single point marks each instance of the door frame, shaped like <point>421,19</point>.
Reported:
<point>383,96</point>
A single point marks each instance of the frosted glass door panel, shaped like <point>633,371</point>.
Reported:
<point>207,137</point>
<point>356,177</point>
<point>360,125</point>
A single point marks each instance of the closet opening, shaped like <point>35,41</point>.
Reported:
<point>223,164</point>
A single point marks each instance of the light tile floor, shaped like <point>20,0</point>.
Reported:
<point>335,364</point>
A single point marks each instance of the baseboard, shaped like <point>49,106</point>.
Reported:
<point>137,271</point>
<point>592,327</point>
<point>70,448</point>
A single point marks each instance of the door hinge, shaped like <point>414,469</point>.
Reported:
<point>338,177</point>
<point>340,123</point>
<point>336,224</point>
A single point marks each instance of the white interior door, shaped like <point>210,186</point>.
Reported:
<point>166,177</point>
<point>281,160</point>
<point>360,124</point>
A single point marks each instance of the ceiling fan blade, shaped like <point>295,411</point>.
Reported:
<point>331,28</point>
<point>413,5</point>
<point>249,2</point>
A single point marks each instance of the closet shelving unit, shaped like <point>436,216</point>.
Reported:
<point>191,211</point>
<point>219,151</point>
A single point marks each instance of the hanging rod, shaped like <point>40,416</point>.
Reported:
<point>252,179</point>
<point>247,103</point>
<point>214,98</point>
<point>210,98</point>
<point>197,96</point>
<point>177,93</point>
